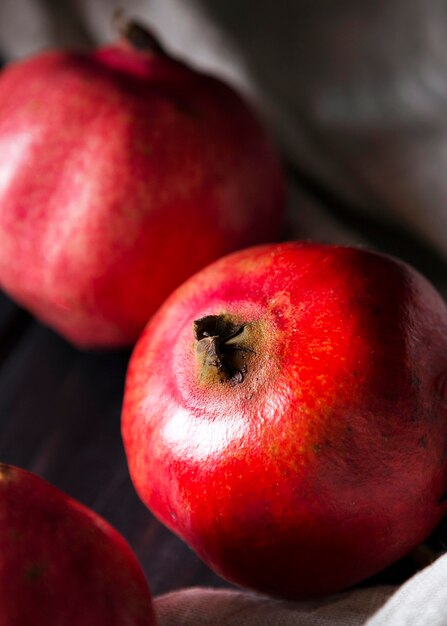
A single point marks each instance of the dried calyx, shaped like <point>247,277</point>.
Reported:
<point>139,36</point>
<point>222,348</point>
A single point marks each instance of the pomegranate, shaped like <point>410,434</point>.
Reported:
<point>60,563</point>
<point>123,172</point>
<point>285,413</point>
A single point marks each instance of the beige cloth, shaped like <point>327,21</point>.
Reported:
<point>206,607</point>
<point>422,601</point>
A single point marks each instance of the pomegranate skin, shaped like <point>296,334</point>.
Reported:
<point>285,414</point>
<point>60,563</point>
<point>123,172</point>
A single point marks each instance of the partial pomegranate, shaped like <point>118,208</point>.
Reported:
<point>60,563</point>
<point>123,172</point>
<point>286,414</point>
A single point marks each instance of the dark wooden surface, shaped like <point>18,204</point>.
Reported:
<point>60,418</point>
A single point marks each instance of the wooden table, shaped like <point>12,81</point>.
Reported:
<point>60,418</point>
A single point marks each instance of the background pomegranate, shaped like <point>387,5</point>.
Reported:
<point>122,172</point>
<point>285,414</point>
<point>60,563</point>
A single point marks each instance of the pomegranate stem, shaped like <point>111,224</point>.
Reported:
<point>218,346</point>
<point>138,36</point>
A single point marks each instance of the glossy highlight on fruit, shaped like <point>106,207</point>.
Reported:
<point>285,414</point>
<point>123,172</point>
<point>60,563</point>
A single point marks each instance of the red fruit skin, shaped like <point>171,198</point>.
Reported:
<point>60,563</point>
<point>328,462</point>
<point>121,174</point>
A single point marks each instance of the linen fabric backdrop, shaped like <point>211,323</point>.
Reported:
<point>354,93</point>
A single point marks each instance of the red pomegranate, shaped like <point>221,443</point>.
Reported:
<point>123,172</point>
<point>60,563</point>
<point>286,414</point>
